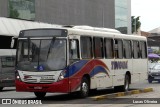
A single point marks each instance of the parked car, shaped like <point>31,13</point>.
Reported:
<point>154,72</point>
<point>151,65</point>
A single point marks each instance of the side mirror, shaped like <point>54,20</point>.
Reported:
<point>12,42</point>
<point>73,44</point>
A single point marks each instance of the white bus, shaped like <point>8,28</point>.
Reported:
<point>9,31</point>
<point>78,59</point>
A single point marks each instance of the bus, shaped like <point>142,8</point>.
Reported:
<point>7,67</point>
<point>9,31</point>
<point>78,59</point>
<point>7,53</point>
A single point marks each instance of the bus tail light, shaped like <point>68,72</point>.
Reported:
<point>61,76</point>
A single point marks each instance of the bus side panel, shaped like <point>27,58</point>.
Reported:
<point>92,68</point>
<point>76,71</point>
<point>121,66</point>
<point>104,80</point>
<point>139,70</point>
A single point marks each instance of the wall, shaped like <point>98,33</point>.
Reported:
<point>3,8</point>
<point>98,13</point>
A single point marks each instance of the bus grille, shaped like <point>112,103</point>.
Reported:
<point>39,78</point>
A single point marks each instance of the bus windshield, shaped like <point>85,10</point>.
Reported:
<point>41,54</point>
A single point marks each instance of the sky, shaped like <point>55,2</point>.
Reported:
<point>149,12</point>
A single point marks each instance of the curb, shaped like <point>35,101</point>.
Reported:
<point>119,94</point>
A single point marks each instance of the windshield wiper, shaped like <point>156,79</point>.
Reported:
<point>49,50</point>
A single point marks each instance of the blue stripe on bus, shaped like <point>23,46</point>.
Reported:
<point>98,69</point>
<point>77,66</point>
<point>74,68</point>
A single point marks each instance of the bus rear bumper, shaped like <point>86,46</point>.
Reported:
<point>61,86</point>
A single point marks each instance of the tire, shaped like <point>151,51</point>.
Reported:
<point>1,88</point>
<point>124,87</point>
<point>84,88</point>
<point>126,83</point>
<point>40,94</point>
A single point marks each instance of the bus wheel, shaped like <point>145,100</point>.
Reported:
<point>124,87</point>
<point>1,88</point>
<point>126,83</point>
<point>84,88</point>
<point>40,94</point>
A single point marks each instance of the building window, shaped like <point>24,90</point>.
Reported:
<point>121,15</point>
<point>22,9</point>
<point>86,47</point>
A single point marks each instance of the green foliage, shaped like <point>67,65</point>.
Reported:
<point>136,24</point>
<point>13,13</point>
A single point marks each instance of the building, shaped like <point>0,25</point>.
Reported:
<point>153,38</point>
<point>96,13</point>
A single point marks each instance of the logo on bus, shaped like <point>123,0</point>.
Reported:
<point>40,68</point>
<point>119,65</point>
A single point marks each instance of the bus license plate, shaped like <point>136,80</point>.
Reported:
<point>46,77</point>
<point>38,88</point>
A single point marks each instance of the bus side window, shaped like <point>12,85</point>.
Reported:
<point>136,50</point>
<point>118,49</point>
<point>86,47</point>
<point>74,49</point>
<point>98,47</point>
<point>143,49</point>
<point>108,43</point>
<point>127,49</point>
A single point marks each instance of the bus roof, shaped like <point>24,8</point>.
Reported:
<point>103,32</point>
<point>94,31</point>
<point>12,27</point>
<point>84,27</point>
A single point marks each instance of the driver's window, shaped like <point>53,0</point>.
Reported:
<point>73,50</point>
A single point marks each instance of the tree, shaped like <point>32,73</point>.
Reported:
<point>136,24</point>
<point>13,12</point>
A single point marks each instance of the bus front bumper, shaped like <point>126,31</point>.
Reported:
<point>61,86</point>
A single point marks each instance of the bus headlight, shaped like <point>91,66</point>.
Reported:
<point>61,76</point>
<point>17,77</point>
